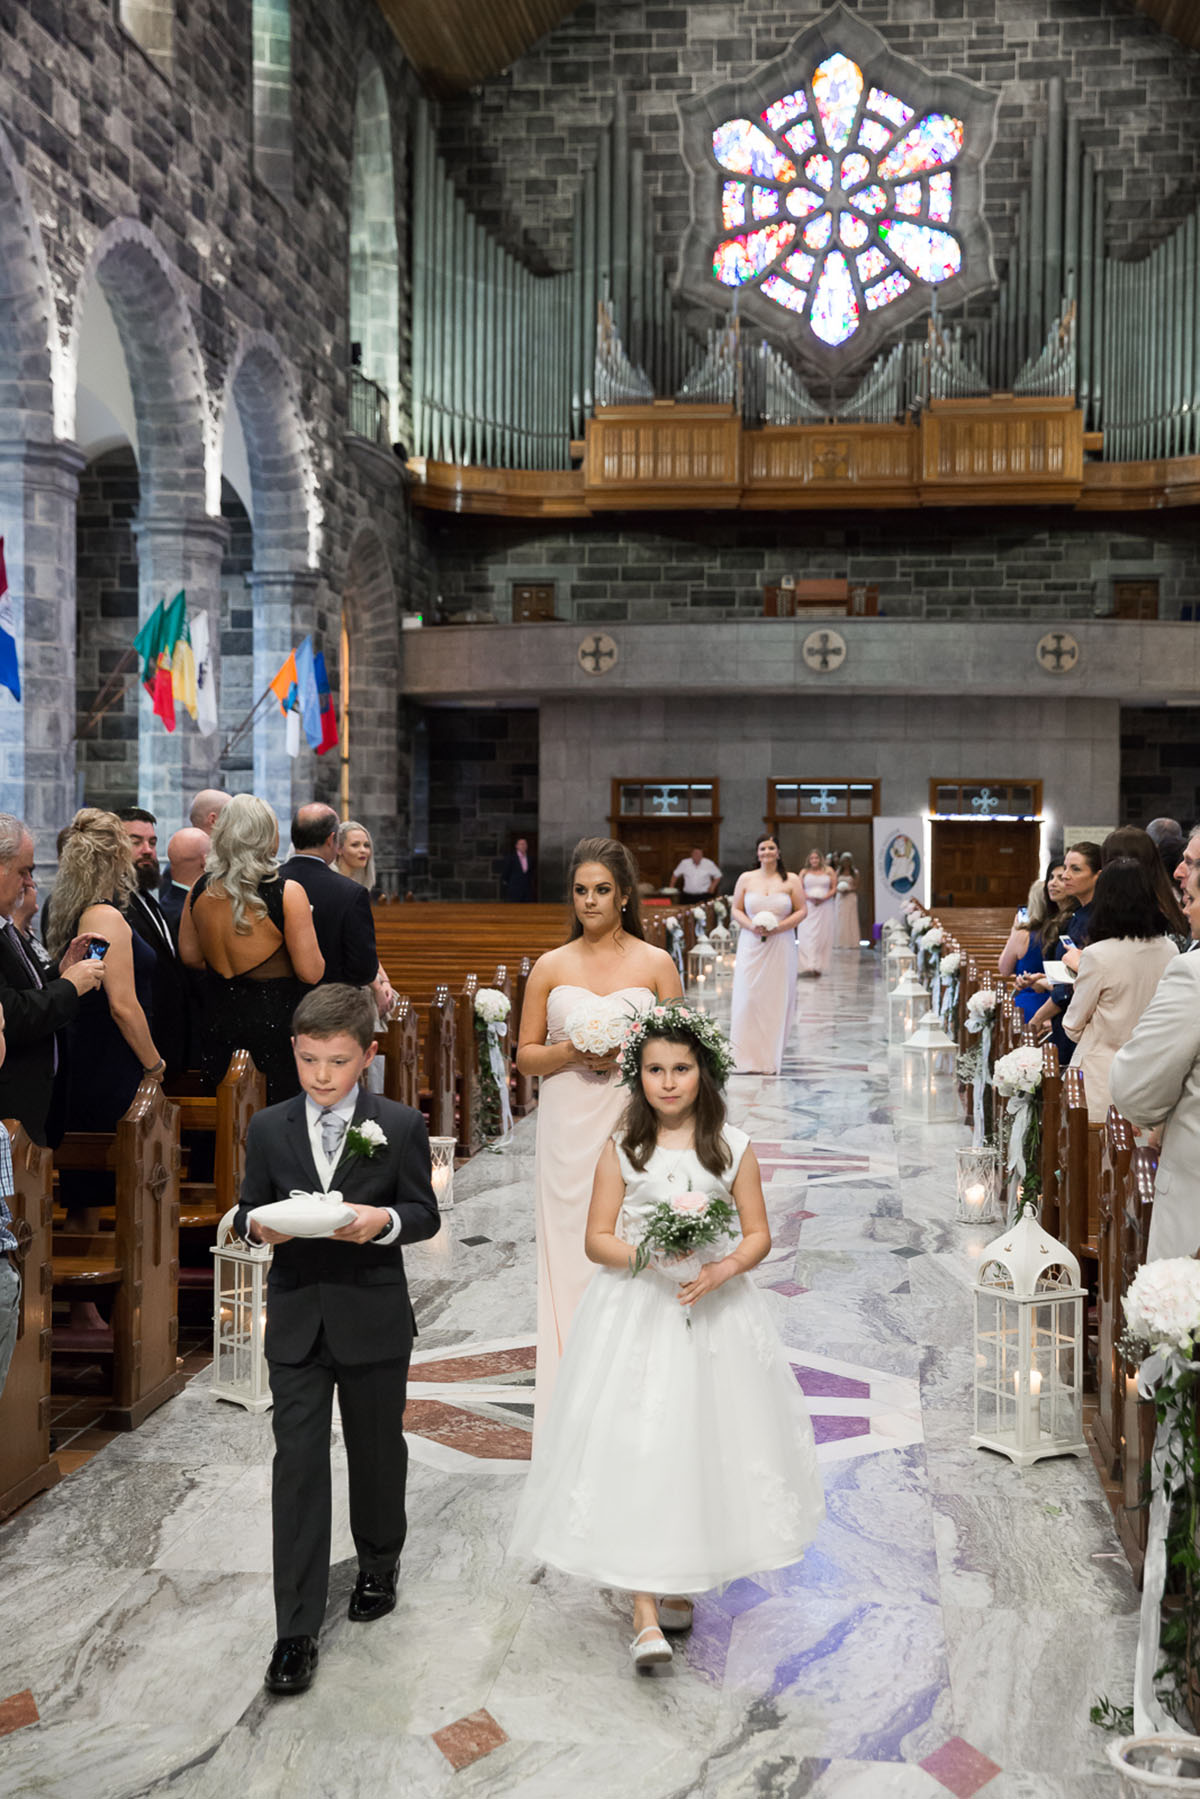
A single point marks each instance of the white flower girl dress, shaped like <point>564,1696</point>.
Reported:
<point>672,1460</point>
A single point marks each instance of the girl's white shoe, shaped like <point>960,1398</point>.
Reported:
<point>650,1648</point>
<point>675,1614</point>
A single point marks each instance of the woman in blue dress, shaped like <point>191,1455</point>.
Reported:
<point>1034,936</point>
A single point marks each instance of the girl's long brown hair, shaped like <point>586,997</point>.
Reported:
<point>623,869</point>
<point>639,1125</point>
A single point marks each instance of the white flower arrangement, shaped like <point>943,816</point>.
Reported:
<point>599,1028</point>
<point>844,887</point>
<point>950,964</point>
<point>981,1005</point>
<point>366,1138</point>
<point>932,937</point>
<point>1162,1306</point>
<point>764,920</point>
<point>1020,1071</point>
<point>491,1005</point>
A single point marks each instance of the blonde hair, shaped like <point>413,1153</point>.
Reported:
<point>364,876</point>
<point>243,854</point>
<point>95,868</point>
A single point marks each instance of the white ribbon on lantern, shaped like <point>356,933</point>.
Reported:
<point>1018,1108</point>
<point>1149,1717</point>
<point>499,1070</point>
<point>980,1082</point>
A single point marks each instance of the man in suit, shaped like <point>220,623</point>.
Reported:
<point>35,1005</point>
<point>338,1317</point>
<point>171,1020</point>
<point>186,853</point>
<point>341,908</point>
<point>518,873</point>
<point>1155,1080</point>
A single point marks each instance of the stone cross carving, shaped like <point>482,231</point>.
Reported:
<point>1057,652</point>
<point>823,650</point>
<point>597,653</point>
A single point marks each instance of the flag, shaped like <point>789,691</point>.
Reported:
<point>156,644</point>
<point>206,676</point>
<point>10,674</point>
<point>286,688</point>
<point>329,727</point>
<point>308,697</point>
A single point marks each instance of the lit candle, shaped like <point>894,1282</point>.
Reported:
<point>974,1198</point>
<point>1033,1399</point>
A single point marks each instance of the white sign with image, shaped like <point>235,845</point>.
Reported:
<point>900,867</point>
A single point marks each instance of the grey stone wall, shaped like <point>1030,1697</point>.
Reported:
<point>236,692</point>
<point>1160,764</point>
<point>106,587</point>
<point>483,793</point>
<point>993,565</point>
<point>519,145</point>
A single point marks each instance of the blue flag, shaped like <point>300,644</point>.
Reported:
<point>10,673</point>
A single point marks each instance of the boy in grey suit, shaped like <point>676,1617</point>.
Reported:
<point>338,1317</point>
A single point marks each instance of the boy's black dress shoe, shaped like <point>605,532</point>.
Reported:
<point>293,1664</point>
<point>374,1596</point>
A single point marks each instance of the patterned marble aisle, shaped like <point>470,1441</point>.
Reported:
<point>946,1633</point>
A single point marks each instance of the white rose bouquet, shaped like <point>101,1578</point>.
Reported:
<point>932,937</point>
<point>1019,1072</point>
<point>1162,1308</point>
<point>950,964</point>
<point>981,1016</point>
<point>492,1006</point>
<point>597,1028</point>
<point>981,1008</point>
<point>764,920</point>
<point>1018,1078</point>
<point>844,886</point>
<point>491,1025</point>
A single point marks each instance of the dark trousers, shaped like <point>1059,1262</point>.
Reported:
<point>371,1400</point>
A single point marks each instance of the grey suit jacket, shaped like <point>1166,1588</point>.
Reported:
<point>1155,1079</point>
<point>356,1292</point>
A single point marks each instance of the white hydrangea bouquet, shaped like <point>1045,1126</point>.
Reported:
<point>948,968</point>
<point>980,1020</point>
<point>764,920</point>
<point>1017,1078</point>
<point>1161,1340</point>
<point>491,1025</point>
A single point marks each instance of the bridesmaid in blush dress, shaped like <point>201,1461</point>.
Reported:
<point>845,906</point>
<point>764,973</point>
<point>580,1099</point>
<point>814,938</point>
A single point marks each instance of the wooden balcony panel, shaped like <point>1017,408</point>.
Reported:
<point>1001,452</point>
<point>498,492</point>
<point>663,455</point>
<point>849,465</point>
<point>1141,486</point>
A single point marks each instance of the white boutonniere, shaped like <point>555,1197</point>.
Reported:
<point>365,1139</point>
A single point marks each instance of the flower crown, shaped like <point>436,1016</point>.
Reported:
<point>676,1016</point>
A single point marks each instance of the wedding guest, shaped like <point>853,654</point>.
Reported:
<point>339,1318</point>
<point>341,909</point>
<point>1034,938</point>
<point>697,875</point>
<point>815,932</point>
<point>1166,834</point>
<point>1081,867</point>
<point>172,1000</point>
<point>518,873</point>
<point>764,969</point>
<point>1155,1081</point>
<point>38,1005</point>
<point>251,933</point>
<point>10,1264</point>
<point>186,853</point>
<point>1189,860</point>
<point>847,931</point>
<point>692,1446</point>
<point>1128,950</point>
<point>355,854</point>
<point>24,914</point>
<point>608,971</point>
<point>1138,845</point>
<point>207,807</point>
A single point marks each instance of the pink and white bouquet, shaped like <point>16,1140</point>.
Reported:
<point>1162,1308</point>
<point>598,1028</point>
<point>1019,1072</point>
<point>981,1008</point>
<point>678,1231</point>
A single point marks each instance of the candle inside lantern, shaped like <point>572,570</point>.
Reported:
<point>441,1181</point>
<point>1032,1398</point>
<point>975,1198</point>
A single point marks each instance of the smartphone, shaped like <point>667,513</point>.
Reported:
<point>1065,943</point>
<point>1023,915</point>
<point>97,949</point>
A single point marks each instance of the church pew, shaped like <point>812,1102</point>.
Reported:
<point>401,1055</point>
<point>437,1093</point>
<point>226,1117</point>
<point>1051,1112</point>
<point>138,1261</point>
<point>466,1067</point>
<point>26,1464</point>
<point>1079,1172</point>
<point>523,1099</point>
<point>1116,1153</point>
<point>1137,1415</point>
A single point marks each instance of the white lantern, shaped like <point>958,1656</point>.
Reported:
<point>901,960</point>
<point>907,1002</point>
<point>929,1074</point>
<point>1029,1347</point>
<point>240,1319</point>
<point>978,1186</point>
<point>441,1153</point>
<point>701,964</point>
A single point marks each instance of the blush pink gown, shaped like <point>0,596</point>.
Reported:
<point>846,930</point>
<point>577,1113</point>
<point>764,989</point>
<point>814,933</point>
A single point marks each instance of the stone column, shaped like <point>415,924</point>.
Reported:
<point>284,606</point>
<point>39,486</point>
<point>173,552</point>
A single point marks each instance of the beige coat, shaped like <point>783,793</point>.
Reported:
<point>1117,980</point>
<point>1156,1077</point>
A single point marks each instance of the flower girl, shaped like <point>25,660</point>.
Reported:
<point>678,1454</point>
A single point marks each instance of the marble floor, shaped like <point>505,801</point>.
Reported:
<point>946,1633</point>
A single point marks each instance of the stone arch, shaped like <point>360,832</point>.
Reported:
<point>26,311</point>
<point>374,245</point>
<point>372,686</point>
<point>286,514</point>
<point>166,370</point>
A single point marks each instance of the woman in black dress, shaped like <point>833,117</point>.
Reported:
<point>252,937</point>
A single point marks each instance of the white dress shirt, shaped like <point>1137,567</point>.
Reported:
<point>325,1168</point>
<point>697,877</point>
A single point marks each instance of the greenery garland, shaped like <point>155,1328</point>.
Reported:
<point>489,1092</point>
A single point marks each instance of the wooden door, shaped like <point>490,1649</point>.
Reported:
<point>983,864</point>
<point>658,846</point>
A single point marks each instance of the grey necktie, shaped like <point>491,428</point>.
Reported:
<point>332,1130</point>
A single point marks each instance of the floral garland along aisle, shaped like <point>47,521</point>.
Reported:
<point>1017,1078</point>
<point>491,1027</point>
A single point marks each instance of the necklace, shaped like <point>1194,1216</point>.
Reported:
<point>671,1175</point>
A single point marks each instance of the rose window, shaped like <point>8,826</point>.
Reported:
<point>837,199</point>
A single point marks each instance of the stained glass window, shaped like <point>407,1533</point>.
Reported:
<point>861,173</point>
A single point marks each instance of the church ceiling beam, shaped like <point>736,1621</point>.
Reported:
<point>457,44</point>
